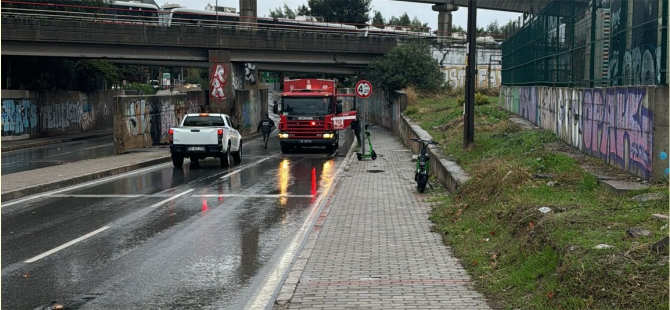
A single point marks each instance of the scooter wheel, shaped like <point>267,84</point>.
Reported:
<point>359,156</point>
<point>374,155</point>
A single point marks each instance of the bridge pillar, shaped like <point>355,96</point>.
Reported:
<point>248,11</point>
<point>221,89</point>
<point>444,20</point>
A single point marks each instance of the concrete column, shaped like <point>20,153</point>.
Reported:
<point>444,20</point>
<point>221,89</point>
<point>248,11</point>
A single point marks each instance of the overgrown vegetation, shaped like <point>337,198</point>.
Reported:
<point>522,258</point>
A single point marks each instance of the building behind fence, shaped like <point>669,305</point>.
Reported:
<point>596,74</point>
<point>599,43</point>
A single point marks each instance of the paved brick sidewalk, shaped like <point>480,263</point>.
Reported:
<point>374,248</point>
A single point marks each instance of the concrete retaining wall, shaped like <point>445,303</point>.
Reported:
<point>143,121</point>
<point>386,109</point>
<point>27,114</point>
<point>626,127</point>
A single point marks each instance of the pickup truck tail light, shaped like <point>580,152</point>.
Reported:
<point>220,132</point>
<point>170,134</point>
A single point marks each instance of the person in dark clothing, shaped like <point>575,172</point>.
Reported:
<point>266,125</point>
<point>356,126</point>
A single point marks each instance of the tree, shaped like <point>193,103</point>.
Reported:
<point>509,28</point>
<point>378,19</point>
<point>403,20</point>
<point>457,28</point>
<point>410,64</point>
<point>341,11</point>
<point>417,25</point>
<point>277,13</point>
<point>302,10</point>
<point>288,13</point>
<point>493,28</point>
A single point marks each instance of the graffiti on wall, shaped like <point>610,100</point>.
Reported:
<point>61,115</point>
<point>19,117</point>
<point>635,60</point>
<point>613,124</point>
<point>485,78</point>
<point>218,81</point>
<point>250,73</point>
<point>139,120</point>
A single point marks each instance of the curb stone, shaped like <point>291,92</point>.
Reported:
<point>54,141</point>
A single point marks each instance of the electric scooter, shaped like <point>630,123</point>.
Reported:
<point>371,153</point>
<point>422,165</point>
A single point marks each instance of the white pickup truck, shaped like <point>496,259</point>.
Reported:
<point>205,135</point>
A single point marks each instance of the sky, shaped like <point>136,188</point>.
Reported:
<point>388,8</point>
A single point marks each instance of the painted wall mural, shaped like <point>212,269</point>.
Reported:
<point>636,43</point>
<point>614,124</point>
<point>218,81</point>
<point>250,73</point>
<point>452,62</point>
<point>19,117</point>
<point>138,121</point>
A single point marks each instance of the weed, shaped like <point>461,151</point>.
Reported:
<point>523,257</point>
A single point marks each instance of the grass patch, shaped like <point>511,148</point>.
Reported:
<point>521,257</point>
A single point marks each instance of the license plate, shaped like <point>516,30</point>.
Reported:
<point>305,141</point>
<point>197,148</point>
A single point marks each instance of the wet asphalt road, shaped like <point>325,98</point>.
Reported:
<point>199,237</point>
<point>56,154</point>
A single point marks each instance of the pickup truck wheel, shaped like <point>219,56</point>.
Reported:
<point>226,158</point>
<point>237,156</point>
<point>177,161</point>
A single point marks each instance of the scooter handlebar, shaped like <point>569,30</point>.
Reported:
<point>426,142</point>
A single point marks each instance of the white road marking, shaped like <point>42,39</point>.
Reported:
<point>245,167</point>
<point>88,148</point>
<point>158,204</point>
<point>262,297</point>
<point>254,196</point>
<point>99,196</point>
<point>108,195</point>
<point>123,175</point>
<point>47,253</point>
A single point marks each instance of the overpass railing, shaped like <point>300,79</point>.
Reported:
<point>578,43</point>
<point>182,17</point>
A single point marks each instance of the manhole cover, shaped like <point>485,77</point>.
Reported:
<point>375,171</point>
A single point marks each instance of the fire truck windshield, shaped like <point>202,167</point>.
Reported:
<point>305,105</point>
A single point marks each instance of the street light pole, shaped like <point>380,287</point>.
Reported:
<point>470,74</point>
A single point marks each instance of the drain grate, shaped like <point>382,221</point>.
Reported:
<point>374,171</point>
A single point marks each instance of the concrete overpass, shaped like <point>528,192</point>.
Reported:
<point>517,6</point>
<point>189,46</point>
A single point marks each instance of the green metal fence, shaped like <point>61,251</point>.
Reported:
<point>582,43</point>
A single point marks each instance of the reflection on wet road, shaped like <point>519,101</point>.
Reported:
<point>199,237</point>
<point>56,154</point>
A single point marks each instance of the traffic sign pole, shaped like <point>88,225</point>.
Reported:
<point>363,90</point>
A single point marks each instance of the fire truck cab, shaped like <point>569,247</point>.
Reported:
<point>310,115</point>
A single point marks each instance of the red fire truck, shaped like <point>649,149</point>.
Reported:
<point>311,115</point>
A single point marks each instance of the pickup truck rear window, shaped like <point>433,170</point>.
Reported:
<point>204,121</point>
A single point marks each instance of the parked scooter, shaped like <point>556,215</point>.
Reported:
<point>371,153</point>
<point>422,165</point>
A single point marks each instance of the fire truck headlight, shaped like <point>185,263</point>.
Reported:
<point>328,135</point>
<point>283,135</point>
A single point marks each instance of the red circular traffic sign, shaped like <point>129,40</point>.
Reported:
<point>363,89</point>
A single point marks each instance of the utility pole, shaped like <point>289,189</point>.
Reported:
<point>470,74</point>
